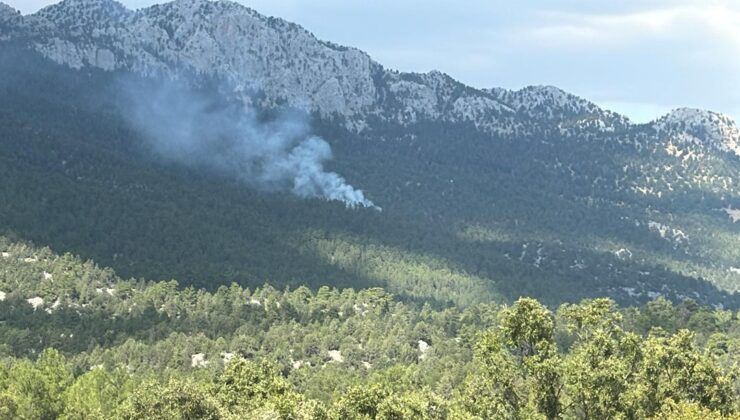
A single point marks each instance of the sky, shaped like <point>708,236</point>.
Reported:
<point>641,58</point>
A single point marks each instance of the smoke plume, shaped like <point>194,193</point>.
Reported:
<point>202,130</point>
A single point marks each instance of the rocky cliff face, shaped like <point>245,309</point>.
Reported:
<point>282,60</point>
<point>286,64</point>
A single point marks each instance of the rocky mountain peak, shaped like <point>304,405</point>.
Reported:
<point>548,98</point>
<point>8,17</point>
<point>697,125</point>
<point>7,10</point>
<point>287,64</point>
<point>552,104</point>
<point>11,22</point>
<point>198,9</point>
<point>78,18</point>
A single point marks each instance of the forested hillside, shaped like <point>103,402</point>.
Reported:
<point>528,192</point>
<point>79,342</point>
<point>466,218</point>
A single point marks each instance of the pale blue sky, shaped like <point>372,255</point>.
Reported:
<point>638,57</point>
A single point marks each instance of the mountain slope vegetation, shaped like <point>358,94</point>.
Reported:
<point>78,341</point>
<point>483,219</point>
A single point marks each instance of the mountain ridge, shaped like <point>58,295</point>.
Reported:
<point>342,81</point>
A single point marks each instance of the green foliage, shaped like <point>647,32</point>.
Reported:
<point>362,402</point>
<point>96,394</point>
<point>102,347</point>
<point>672,410</point>
<point>516,371</point>
<point>414,405</point>
<point>672,368</point>
<point>178,399</point>
<point>245,389</point>
<point>527,327</point>
<point>606,373</point>
<point>35,390</point>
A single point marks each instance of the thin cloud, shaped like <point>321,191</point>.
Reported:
<point>609,29</point>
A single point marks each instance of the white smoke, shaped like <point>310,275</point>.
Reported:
<point>199,130</point>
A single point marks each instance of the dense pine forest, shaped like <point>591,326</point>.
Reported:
<point>82,175</point>
<point>80,342</point>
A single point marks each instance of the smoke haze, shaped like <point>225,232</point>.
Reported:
<point>195,129</point>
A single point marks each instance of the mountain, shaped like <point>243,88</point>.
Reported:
<point>285,63</point>
<point>698,126</point>
<point>487,194</point>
